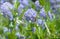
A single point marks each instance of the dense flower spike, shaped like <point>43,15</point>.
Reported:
<point>37,5</point>
<point>42,13</point>
<point>50,15</point>
<point>30,14</point>
<point>5,9</point>
<point>55,4</point>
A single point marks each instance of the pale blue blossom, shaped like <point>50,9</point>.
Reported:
<point>37,4</point>
<point>30,14</point>
<point>5,29</point>
<point>40,22</point>
<point>10,30</point>
<point>50,15</point>
<point>17,34</point>
<point>5,9</point>
<point>20,9</point>
<point>24,2</point>
<point>33,29</point>
<point>42,13</point>
<point>17,26</point>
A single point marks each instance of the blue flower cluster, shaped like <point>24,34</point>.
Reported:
<point>5,9</point>
<point>30,14</point>
<point>32,18</point>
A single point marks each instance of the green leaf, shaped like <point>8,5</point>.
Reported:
<point>16,4</point>
<point>45,4</point>
<point>32,5</point>
<point>12,35</point>
<point>42,2</point>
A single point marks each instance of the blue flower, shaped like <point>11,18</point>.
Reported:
<point>5,29</point>
<point>30,14</point>
<point>40,22</point>
<point>24,2</point>
<point>37,5</point>
<point>42,13</point>
<point>5,9</point>
<point>18,34</point>
<point>50,15</point>
<point>17,27</point>
<point>33,29</point>
<point>20,8</point>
